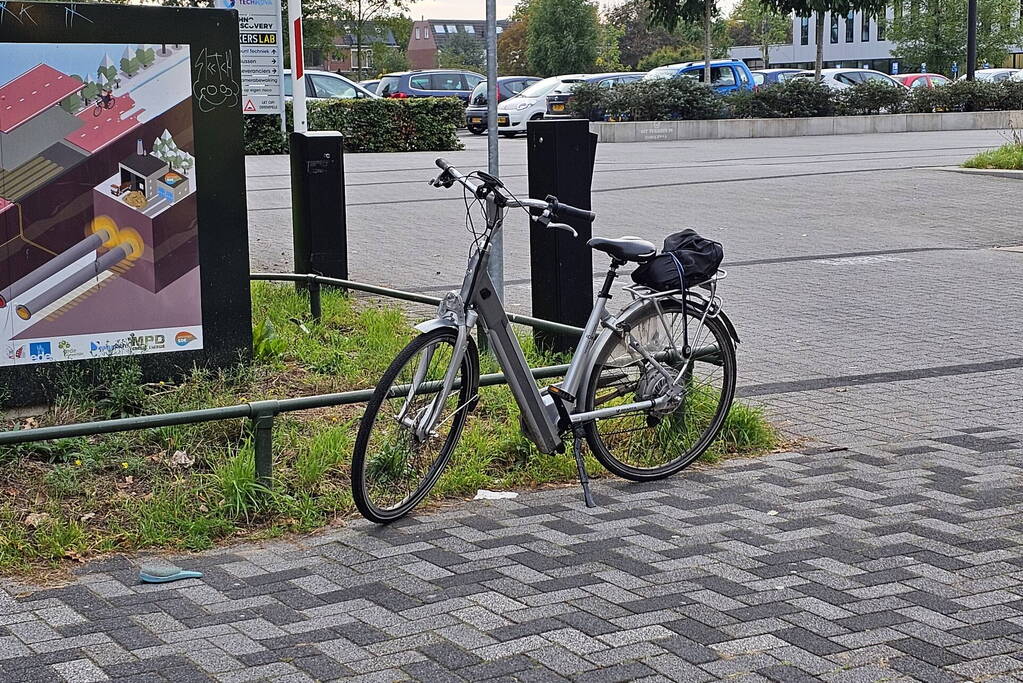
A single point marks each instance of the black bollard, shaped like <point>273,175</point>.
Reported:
<point>318,203</point>
<point>561,156</point>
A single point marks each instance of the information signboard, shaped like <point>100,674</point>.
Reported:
<point>261,47</point>
<point>122,197</point>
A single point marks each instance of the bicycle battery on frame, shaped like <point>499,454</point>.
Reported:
<point>541,425</point>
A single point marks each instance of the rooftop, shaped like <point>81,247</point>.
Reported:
<point>145,165</point>
<point>31,93</point>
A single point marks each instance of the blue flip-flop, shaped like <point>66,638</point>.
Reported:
<point>165,574</point>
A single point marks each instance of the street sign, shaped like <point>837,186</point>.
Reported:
<point>259,26</point>
<point>955,68</point>
<point>895,68</point>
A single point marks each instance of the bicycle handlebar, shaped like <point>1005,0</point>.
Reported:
<point>552,209</point>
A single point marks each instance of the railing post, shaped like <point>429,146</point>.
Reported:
<point>262,422</point>
<point>315,303</point>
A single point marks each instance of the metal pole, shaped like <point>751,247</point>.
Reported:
<point>971,40</point>
<point>297,66</point>
<point>496,266</point>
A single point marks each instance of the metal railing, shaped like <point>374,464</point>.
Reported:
<point>261,414</point>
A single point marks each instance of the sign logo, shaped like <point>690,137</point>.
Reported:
<point>40,351</point>
<point>68,350</point>
<point>184,338</point>
<point>249,105</point>
<point>16,352</point>
<point>225,4</point>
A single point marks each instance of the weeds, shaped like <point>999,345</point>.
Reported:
<point>187,487</point>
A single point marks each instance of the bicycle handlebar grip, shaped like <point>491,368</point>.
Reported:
<point>560,210</point>
<point>442,164</point>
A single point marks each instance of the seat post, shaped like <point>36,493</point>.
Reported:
<point>609,280</point>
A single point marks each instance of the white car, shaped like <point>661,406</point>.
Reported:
<point>515,112</point>
<point>995,75</point>
<point>840,79</point>
<point>324,85</point>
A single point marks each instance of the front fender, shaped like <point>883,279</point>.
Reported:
<point>436,323</point>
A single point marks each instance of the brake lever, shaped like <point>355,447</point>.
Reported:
<point>565,227</point>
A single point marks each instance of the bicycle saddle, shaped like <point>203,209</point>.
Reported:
<point>624,248</point>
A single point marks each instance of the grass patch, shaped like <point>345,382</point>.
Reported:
<point>189,487</point>
<point>1007,157</point>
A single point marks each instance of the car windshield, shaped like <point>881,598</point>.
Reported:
<point>479,94</point>
<point>541,88</point>
<point>662,72</point>
<point>388,85</point>
<point>567,85</point>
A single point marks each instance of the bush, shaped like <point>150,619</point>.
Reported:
<point>589,101</point>
<point>668,99</point>
<point>968,96</point>
<point>801,97</point>
<point>369,125</point>
<point>871,97</point>
<point>1007,157</point>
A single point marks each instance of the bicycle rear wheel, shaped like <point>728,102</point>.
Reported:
<point>393,469</point>
<point>653,444</point>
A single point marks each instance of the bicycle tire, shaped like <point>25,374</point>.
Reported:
<point>366,458</point>
<point>598,442</point>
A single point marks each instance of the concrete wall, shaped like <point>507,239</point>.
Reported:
<point>650,131</point>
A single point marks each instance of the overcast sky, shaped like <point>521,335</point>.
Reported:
<point>476,9</point>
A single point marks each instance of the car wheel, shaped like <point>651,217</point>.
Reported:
<point>508,133</point>
<point>476,130</point>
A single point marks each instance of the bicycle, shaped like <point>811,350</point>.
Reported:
<point>103,104</point>
<point>649,389</point>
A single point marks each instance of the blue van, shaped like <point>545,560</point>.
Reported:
<point>726,75</point>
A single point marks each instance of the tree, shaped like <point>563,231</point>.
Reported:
<point>387,59</point>
<point>641,36</point>
<point>671,13</point>
<point>668,55</point>
<point>512,56</point>
<point>609,53</point>
<point>462,51</point>
<point>806,8</point>
<point>145,56</point>
<point>762,24</point>
<point>936,34</point>
<point>562,36</point>
<point>359,15</point>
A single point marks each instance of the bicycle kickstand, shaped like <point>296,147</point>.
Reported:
<point>577,451</point>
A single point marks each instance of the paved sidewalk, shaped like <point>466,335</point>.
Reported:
<point>875,564</point>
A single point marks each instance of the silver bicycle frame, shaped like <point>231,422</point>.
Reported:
<point>478,299</point>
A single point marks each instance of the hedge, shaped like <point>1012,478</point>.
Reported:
<point>683,98</point>
<point>369,125</point>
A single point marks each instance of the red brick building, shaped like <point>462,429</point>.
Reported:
<point>429,36</point>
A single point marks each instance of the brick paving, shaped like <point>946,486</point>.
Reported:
<point>887,548</point>
<point>887,563</point>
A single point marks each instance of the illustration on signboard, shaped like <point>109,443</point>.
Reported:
<point>98,215</point>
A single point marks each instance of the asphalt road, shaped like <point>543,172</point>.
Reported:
<point>862,276</point>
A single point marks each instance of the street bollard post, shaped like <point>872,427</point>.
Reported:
<point>560,158</point>
<point>319,224</point>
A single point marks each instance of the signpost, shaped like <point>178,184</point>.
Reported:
<point>262,59</point>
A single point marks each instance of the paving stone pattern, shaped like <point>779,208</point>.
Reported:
<point>895,563</point>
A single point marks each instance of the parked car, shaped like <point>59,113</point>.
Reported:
<point>507,86</point>
<point>922,80</point>
<point>772,76</point>
<point>840,79</point>
<point>324,85</point>
<point>994,75</point>
<point>557,99</point>
<point>370,85</point>
<point>429,83</point>
<point>514,113</point>
<point>726,75</point>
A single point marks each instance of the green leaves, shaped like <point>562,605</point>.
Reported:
<point>562,36</point>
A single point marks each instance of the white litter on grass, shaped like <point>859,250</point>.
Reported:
<point>484,494</point>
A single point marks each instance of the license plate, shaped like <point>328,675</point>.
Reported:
<point>502,120</point>
<point>477,119</point>
<point>558,107</point>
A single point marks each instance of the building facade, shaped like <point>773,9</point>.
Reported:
<point>430,35</point>
<point>856,39</point>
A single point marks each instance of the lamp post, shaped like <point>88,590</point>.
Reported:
<point>496,267</point>
<point>971,39</point>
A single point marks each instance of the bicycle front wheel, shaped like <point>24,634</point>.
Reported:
<point>653,444</point>
<point>395,464</point>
